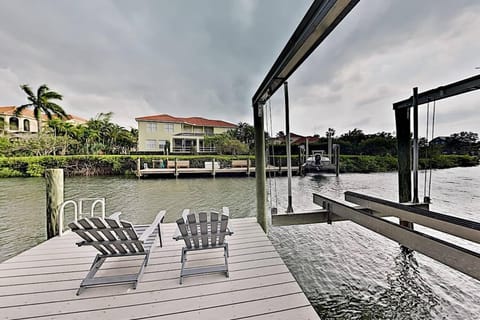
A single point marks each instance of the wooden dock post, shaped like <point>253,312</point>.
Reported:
<point>213,167</point>
<point>248,167</point>
<point>139,173</point>
<point>176,169</point>
<point>54,196</point>
<point>402,121</point>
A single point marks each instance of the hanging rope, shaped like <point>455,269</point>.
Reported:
<point>433,134</point>
<point>269,114</point>
<point>273,156</point>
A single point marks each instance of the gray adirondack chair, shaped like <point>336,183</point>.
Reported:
<point>207,233</point>
<point>116,238</point>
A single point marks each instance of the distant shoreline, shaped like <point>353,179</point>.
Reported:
<point>126,165</point>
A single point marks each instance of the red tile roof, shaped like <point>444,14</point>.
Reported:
<point>194,121</point>
<point>10,110</point>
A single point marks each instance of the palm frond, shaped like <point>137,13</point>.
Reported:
<point>48,113</point>
<point>51,95</point>
<point>41,90</point>
<point>56,109</point>
<point>26,88</point>
<point>19,110</point>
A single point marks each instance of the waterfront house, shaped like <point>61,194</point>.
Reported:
<point>165,133</point>
<point>25,123</point>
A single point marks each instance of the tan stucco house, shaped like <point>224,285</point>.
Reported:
<point>25,123</point>
<point>182,135</point>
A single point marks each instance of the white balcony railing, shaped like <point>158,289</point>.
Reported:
<point>190,149</point>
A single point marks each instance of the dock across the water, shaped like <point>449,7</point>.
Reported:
<point>42,282</point>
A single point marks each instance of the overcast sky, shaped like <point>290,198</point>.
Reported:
<point>207,58</point>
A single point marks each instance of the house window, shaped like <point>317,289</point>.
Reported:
<point>208,131</point>
<point>161,144</point>
<point>2,123</point>
<point>13,123</point>
<point>169,127</point>
<point>151,144</point>
<point>26,125</point>
<point>151,127</point>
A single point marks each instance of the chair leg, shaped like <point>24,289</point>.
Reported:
<point>97,263</point>
<point>160,236</point>
<point>225,254</point>
<point>183,259</point>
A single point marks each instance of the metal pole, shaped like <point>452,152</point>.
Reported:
<point>306,149</point>
<point>260,176</point>
<point>289,155</point>
<point>415,145</point>
<point>329,146</point>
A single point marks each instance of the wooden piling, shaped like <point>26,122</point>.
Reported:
<point>213,167</point>
<point>402,121</point>
<point>176,168</point>
<point>139,173</point>
<point>54,196</point>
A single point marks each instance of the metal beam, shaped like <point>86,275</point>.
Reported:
<point>315,216</point>
<point>449,90</point>
<point>447,253</point>
<point>321,18</point>
<point>462,228</point>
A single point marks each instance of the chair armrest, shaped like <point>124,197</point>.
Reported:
<point>115,215</point>
<point>158,219</point>
<point>177,235</point>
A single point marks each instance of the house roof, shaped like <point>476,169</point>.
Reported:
<point>194,121</point>
<point>10,110</point>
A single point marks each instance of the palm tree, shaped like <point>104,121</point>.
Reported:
<point>42,103</point>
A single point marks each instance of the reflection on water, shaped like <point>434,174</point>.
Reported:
<point>405,295</point>
<point>347,272</point>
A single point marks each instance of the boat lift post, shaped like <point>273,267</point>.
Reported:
<point>289,151</point>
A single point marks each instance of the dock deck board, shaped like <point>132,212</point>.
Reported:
<point>41,283</point>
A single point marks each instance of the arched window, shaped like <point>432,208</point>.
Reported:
<point>2,123</point>
<point>26,125</point>
<point>13,123</point>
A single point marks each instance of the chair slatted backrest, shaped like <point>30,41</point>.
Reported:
<point>108,236</point>
<point>212,233</point>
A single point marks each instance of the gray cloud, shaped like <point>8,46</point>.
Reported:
<point>207,58</point>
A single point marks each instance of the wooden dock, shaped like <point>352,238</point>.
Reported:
<point>41,283</point>
<point>207,171</point>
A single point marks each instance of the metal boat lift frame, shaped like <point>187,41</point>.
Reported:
<point>322,17</point>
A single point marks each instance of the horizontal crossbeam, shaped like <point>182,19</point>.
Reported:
<point>321,18</point>
<point>449,90</point>
<point>454,256</point>
<point>459,227</point>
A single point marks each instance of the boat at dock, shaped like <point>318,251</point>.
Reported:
<point>318,162</point>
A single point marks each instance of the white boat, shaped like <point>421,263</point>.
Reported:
<point>318,161</point>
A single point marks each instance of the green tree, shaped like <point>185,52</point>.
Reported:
<point>41,103</point>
